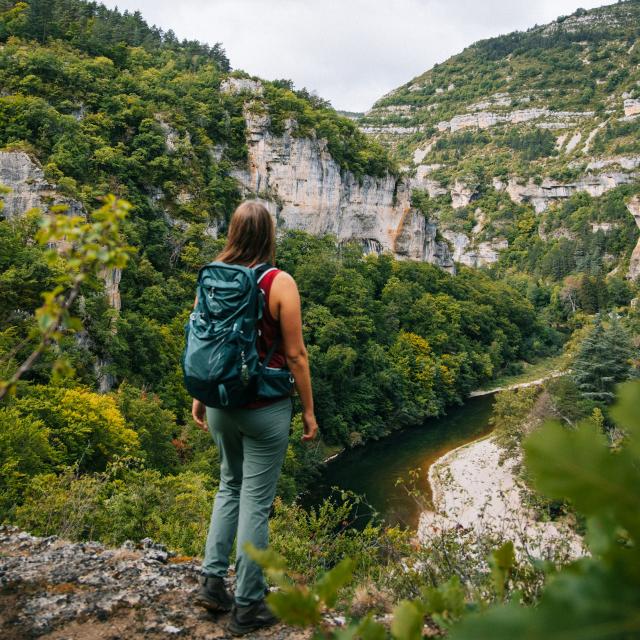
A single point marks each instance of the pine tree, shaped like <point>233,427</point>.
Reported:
<point>604,360</point>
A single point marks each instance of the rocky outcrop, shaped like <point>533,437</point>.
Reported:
<point>27,186</point>
<point>541,195</point>
<point>461,194</point>
<point>634,266</point>
<point>56,589</point>
<point>467,251</point>
<point>605,227</point>
<point>629,163</point>
<point>632,107</point>
<point>28,189</point>
<point>306,189</point>
<point>486,119</point>
<point>111,279</point>
<point>391,130</point>
<point>241,85</point>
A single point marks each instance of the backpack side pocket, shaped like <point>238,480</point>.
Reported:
<point>274,383</point>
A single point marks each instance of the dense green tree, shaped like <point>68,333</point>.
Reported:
<point>155,426</point>
<point>604,359</point>
<point>25,451</point>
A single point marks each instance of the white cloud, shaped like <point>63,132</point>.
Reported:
<point>349,51</point>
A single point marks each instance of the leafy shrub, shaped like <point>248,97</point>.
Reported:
<point>120,504</point>
<point>84,427</point>
<point>25,451</point>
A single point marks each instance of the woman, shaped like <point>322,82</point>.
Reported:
<point>252,440</point>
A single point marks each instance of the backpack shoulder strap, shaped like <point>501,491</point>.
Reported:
<point>262,269</point>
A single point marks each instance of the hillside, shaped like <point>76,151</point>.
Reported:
<point>168,127</point>
<point>516,124</point>
<point>104,103</point>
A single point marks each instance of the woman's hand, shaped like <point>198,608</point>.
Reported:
<point>310,426</point>
<point>199,412</point>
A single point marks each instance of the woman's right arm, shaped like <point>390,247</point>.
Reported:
<point>285,293</point>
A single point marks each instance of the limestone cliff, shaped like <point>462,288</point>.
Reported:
<point>306,190</point>
<point>28,189</point>
<point>27,186</point>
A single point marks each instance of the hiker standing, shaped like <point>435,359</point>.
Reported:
<point>251,431</point>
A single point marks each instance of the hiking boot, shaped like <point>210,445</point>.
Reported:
<point>213,594</point>
<point>256,615</point>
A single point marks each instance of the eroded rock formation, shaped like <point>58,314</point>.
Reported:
<point>307,190</point>
<point>27,186</point>
<point>549,191</point>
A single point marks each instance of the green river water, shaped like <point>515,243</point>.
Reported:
<point>372,470</point>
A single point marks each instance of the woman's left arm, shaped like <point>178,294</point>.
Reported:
<point>199,414</point>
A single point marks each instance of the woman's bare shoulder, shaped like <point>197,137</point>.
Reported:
<point>284,279</point>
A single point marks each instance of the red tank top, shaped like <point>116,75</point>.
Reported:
<point>268,333</point>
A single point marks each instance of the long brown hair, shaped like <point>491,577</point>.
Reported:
<point>252,236</point>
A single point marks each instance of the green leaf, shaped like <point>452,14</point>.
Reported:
<point>445,603</point>
<point>588,601</point>
<point>272,562</point>
<point>295,606</point>
<point>578,465</point>
<point>369,629</point>
<point>366,629</point>
<point>502,561</point>
<point>327,587</point>
<point>408,620</point>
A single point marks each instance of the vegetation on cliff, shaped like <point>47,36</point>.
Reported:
<point>585,63</point>
<point>528,143</point>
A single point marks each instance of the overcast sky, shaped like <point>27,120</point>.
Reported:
<point>350,52</point>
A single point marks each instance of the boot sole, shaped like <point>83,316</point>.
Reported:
<point>212,605</point>
<point>241,630</point>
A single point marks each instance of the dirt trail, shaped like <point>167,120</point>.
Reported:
<point>518,385</point>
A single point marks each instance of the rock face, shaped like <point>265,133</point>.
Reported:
<point>241,85</point>
<point>461,195</point>
<point>634,266</point>
<point>112,287</point>
<point>30,190</point>
<point>467,252</point>
<point>306,189</point>
<point>55,589</point>
<point>550,190</point>
<point>631,107</point>
<point>28,187</point>
<point>486,119</point>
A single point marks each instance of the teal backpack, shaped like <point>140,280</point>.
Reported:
<point>220,361</point>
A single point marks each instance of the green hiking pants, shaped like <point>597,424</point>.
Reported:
<point>252,445</point>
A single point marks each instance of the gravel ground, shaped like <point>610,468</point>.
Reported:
<point>55,589</point>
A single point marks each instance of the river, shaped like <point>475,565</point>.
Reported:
<point>372,470</point>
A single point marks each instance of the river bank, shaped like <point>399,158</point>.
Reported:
<point>474,490</point>
<point>373,470</point>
